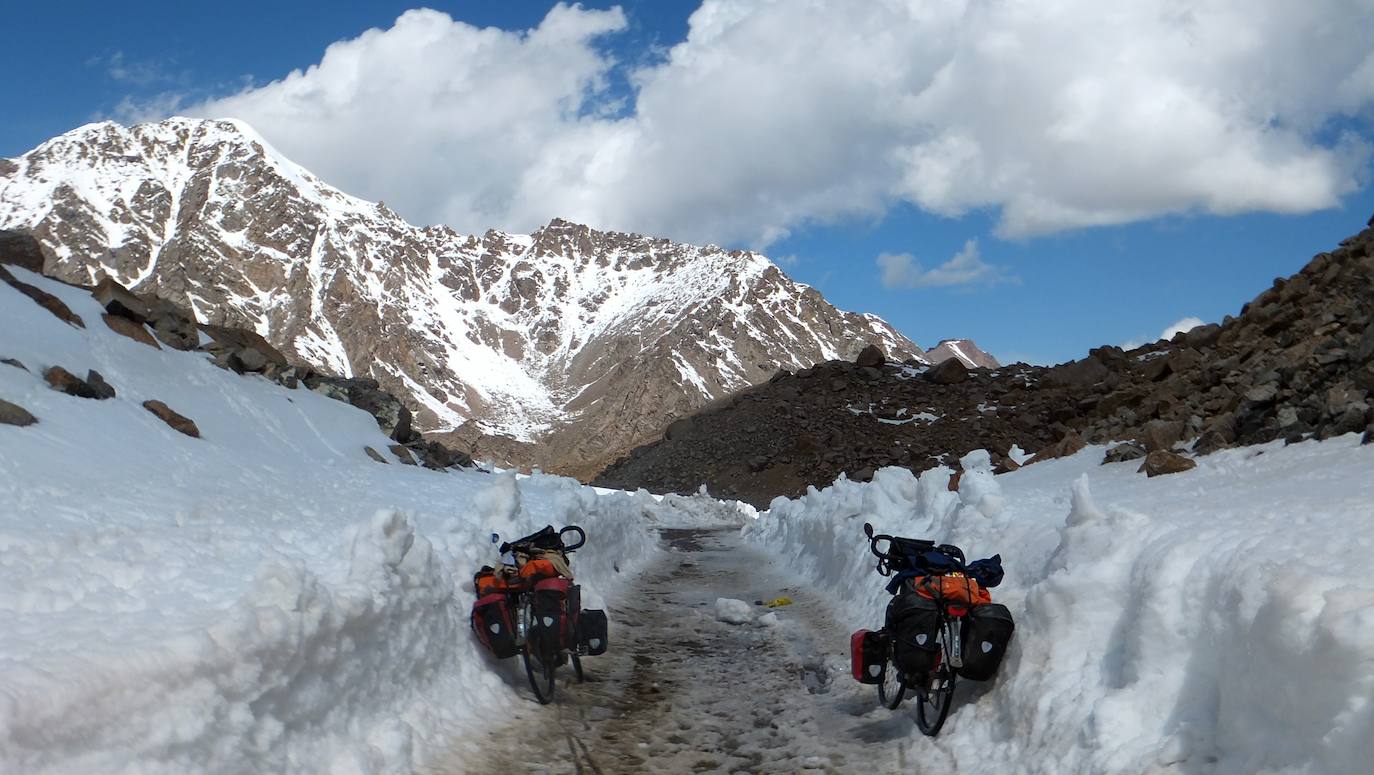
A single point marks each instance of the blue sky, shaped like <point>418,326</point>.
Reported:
<point>1096,193</point>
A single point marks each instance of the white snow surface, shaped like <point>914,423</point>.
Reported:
<point>1219,620</point>
<point>262,599</point>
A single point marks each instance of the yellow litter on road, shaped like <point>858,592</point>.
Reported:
<point>779,602</point>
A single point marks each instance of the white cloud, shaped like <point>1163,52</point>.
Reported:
<point>1186,324</point>
<point>902,270</point>
<point>774,114</point>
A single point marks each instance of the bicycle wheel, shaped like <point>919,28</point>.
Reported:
<point>540,672</point>
<point>933,706</point>
<point>892,689</point>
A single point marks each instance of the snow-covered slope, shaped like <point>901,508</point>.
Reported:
<point>265,598</point>
<point>524,334</point>
<point>1219,620</point>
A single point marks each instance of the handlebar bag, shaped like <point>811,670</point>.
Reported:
<point>912,622</point>
<point>494,626</point>
<point>592,626</point>
<point>867,656</point>
<point>987,632</point>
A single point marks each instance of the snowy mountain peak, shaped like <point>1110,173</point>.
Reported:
<point>965,351</point>
<point>582,340</point>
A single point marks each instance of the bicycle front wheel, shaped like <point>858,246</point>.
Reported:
<point>933,708</point>
<point>540,672</point>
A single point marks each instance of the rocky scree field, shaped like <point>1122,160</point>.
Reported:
<point>1295,363</point>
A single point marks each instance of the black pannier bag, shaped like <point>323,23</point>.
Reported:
<point>912,623</point>
<point>867,656</point>
<point>987,632</point>
<point>551,629</point>
<point>494,626</point>
<point>592,629</point>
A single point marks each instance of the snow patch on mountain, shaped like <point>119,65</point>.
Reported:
<point>519,334</point>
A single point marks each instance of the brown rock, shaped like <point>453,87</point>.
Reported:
<point>375,455</point>
<point>177,422</point>
<point>1123,452</point>
<point>948,372</point>
<point>20,249</point>
<point>13,414</point>
<point>126,327</point>
<point>1162,462</point>
<point>954,480</point>
<point>1084,373</point>
<point>13,362</point>
<point>44,299</point>
<point>99,386</point>
<point>64,381</point>
<point>1161,434</point>
<point>240,349</point>
<point>173,324</point>
<point>871,355</point>
<point>1066,446</point>
<point>402,453</point>
<point>118,300</point>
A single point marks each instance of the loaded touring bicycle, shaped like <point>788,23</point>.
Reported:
<point>941,625</point>
<point>530,607</point>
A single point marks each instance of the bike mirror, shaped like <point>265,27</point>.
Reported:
<point>868,530</point>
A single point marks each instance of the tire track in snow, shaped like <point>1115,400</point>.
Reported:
<point>681,692</point>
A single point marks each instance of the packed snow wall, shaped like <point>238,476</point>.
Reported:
<point>1218,620</point>
<point>263,598</point>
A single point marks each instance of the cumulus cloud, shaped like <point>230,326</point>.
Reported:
<point>902,270</point>
<point>1186,324</point>
<point>770,115</point>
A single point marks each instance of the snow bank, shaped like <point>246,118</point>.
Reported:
<point>1219,620</point>
<point>265,598</point>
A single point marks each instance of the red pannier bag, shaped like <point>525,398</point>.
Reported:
<point>867,656</point>
<point>494,626</point>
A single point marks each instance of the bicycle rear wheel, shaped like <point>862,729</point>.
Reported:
<point>934,701</point>
<point>540,672</point>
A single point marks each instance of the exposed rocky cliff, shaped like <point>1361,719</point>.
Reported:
<point>562,348</point>
<point>1296,363</point>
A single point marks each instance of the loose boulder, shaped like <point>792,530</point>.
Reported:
<point>13,414</point>
<point>948,372</point>
<point>172,323</point>
<point>64,381</point>
<point>871,355</point>
<point>1070,444</point>
<point>127,327</point>
<point>42,298</point>
<point>1161,434</point>
<point>1123,452</point>
<point>242,351</point>
<point>1084,373</point>
<point>118,300</point>
<point>101,389</point>
<point>1162,462</point>
<point>375,455</point>
<point>176,422</point>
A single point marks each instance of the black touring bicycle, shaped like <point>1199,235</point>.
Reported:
<point>940,626</point>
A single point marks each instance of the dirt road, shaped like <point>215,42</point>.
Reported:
<point>683,692</point>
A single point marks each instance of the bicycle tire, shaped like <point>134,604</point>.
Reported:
<point>891,698</point>
<point>933,706</point>
<point>539,671</point>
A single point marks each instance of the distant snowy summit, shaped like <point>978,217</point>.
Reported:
<point>965,351</point>
<point>561,348</point>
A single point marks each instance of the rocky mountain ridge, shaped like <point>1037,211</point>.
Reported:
<point>562,348</point>
<point>1296,363</point>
